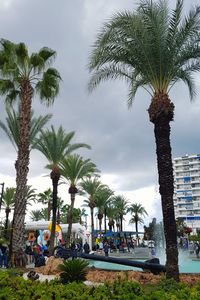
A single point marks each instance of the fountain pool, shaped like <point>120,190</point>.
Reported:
<point>186,265</point>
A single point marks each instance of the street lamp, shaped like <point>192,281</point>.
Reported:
<point>1,197</point>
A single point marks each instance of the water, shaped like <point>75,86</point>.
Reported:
<point>186,265</point>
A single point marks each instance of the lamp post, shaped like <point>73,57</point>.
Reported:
<point>1,197</point>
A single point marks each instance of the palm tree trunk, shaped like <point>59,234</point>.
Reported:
<point>100,225</point>
<point>136,229</point>
<point>105,215</point>
<point>92,225</point>
<point>49,210</point>
<point>22,168</point>
<point>161,112</point>
<point>6,235</point>
<point>55,176</point>
<point>70,219</point>
<point>121,223</point>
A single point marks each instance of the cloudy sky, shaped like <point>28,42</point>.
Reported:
<point>122,140</point>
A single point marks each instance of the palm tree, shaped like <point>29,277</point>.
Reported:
<point>112,215</point>
<point>36,215</point>
<point>46,198</point>
<point>76,214</point>
<point>74,168</point>
<point>152,48</point>
<point>83,214</point>
<point>138,212</point>
<point>90,187</point>
<point>102,200</point>
<point>11,127</point>
<point>55,145</point>
<point>8,202</point>
<point>30,195</point>
<point>45,214</point>
<point>22,75</point>
<point>121,205</point>
<point>60,203</point>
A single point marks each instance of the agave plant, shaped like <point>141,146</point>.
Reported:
<point>73,270</point>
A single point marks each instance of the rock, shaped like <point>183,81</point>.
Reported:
<point>32,275</point>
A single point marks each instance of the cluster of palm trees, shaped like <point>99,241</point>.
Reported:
<point>108,206</point>
<point>104,205</point>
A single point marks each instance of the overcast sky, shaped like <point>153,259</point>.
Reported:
<point>122,140</point>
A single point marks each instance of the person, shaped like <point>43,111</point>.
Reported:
<point>153,252</point>
<point>74,250</point>
<point>106,249</point>
<point>39,260</point>
<point>100,246</point>
<point>197,249</point>
<point>29,252</point>
<point>4,255</point>
<point>1,257</point>
<point>86,248</point>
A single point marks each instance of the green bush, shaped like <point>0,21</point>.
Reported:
<point>73,270</point>
<point>14,272</point>
<point>16,288</point>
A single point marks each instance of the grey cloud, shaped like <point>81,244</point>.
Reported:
<point>122,140</point>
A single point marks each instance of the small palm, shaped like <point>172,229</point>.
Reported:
<point>73,270</point>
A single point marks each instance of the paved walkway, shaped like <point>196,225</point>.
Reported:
<point>137,253</point>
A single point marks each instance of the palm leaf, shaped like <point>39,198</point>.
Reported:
<point>73,270</point>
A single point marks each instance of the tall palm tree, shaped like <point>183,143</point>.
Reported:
<point>22,75</point>
<point>90,187</point>
<point>152,48</point>
<point>11,126</point>
<point>121,205</point>
<point>46,198</point>
<point>55,145</point>
<point>138,212</point>
<point>8,202</point>
<point>74,168</point>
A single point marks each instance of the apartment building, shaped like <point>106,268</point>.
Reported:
<point>187,190</point>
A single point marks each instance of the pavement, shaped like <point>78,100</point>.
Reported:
<point>137,253</point>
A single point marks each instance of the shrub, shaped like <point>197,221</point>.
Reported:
<point>14,272</point>
<point>73,270</point>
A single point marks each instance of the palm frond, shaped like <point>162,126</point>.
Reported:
<point>76,146</point>
<point>187,78</point>
<point>47,54</point>
<point>73,168</point>
<point>37,124</point>
<point>48,86</point>
<point>151,45</point>
<point>112,72</point>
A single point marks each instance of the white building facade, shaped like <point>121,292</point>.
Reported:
<point>187,190</point>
